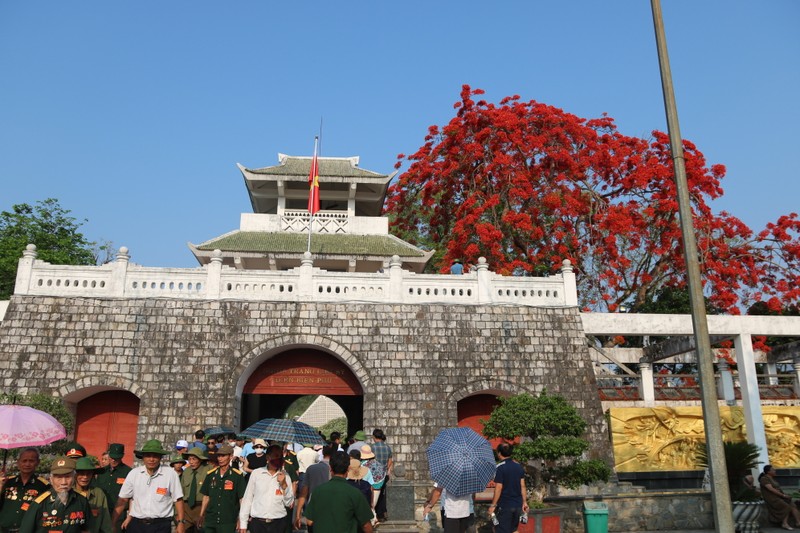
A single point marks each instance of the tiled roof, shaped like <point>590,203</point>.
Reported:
<point>332,168</point>
<point>353,245</point>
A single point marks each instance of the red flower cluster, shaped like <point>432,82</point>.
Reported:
<point>527,185</point>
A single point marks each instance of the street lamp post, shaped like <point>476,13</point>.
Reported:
<point>720,497</point>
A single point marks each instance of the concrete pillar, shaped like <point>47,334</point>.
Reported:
<point>646,388</point>
<point>25,270</point>
<point>772,370</point>
<point>484,282</point>
<point>395,279</point>
<point>796,365</point>
<point>725,387</point>
<point>119,272</point>
<point>751,399</point>
<point>305,282</point>
<point>570,285</point>
<point>214,276</point>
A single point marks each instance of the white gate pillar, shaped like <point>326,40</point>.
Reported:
<point>646,388</point>
<point>751,399</point>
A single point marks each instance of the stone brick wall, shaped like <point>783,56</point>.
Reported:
<point>414,362</point>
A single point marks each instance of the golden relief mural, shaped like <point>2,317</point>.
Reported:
<point>648,439</point>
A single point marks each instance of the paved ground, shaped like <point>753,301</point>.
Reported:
<point>763,530</point>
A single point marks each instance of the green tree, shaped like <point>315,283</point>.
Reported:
<point>50,227</point>
<point>551,433</point>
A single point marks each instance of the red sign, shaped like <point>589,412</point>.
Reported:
<point>303,372</point>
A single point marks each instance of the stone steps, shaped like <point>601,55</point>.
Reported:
<point>398,526</point>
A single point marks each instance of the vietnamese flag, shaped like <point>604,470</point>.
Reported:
<point>313,182</point>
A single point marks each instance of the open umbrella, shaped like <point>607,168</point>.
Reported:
<point>461,461</point>
<point>284,430</point>
<point>219,430</point>
<point>22,426</point>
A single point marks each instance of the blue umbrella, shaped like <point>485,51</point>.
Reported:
<point>284,430</point>
<point>461,461</point>
<point>219,430</point>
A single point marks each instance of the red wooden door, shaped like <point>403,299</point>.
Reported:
<point>106,417</point>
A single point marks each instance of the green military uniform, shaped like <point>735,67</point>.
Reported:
<point>97,502</point>
<point>291,466</point>
<point>16,498</point>
<point>47,514</point>
<point>191,505</point>
<point>110,480</point>
<point>224,493</point>
<point>337,507</point>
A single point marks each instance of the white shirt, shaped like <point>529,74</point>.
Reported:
<point>264,497</point>
<point>305,458</point>
<point>152,496</point>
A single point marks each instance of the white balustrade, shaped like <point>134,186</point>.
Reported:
<point>122,279</point>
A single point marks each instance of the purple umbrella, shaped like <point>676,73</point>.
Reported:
<point>22,426</point>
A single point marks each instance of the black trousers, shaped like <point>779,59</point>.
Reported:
<point>145,525</point>
<point>380,505</point>
<point>276,526</point>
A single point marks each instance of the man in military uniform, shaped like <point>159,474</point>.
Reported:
<point>18,492</point>
<point>222,492</point>
<point>75,450</point>
<point>111,478</point>
<point>60,508</point>
<point>192,479</point>
<point>85,470</point>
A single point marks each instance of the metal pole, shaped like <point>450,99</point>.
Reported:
<point>720,496</point>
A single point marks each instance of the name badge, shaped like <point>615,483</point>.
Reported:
<point>25,506</point>
<point>162,491</point>
<point>278,492</point>
<point>228,485</point>
<point>120,480</point>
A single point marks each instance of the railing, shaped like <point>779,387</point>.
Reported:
<point>297,222</point>
<point>674,387</point>
<point>121,279</point>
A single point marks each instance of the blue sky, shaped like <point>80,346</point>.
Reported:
<point>134,114</point>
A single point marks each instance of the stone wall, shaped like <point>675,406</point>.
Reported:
<point>414,362</point>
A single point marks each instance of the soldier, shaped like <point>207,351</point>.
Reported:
<point>156,493</point>
<point>84,474</point>
<point>192,481</point>
<point>18,492</point>
<point>61,508</point>
<point>111,478</point>
<point>75,450</point>
<point>222,492</point>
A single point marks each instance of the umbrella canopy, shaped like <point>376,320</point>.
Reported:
<point>461,461</point>
<point>22,426</point>
<point>283,430</point>
<point>219,430</point>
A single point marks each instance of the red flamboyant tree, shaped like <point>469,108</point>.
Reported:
<point>527,185</point>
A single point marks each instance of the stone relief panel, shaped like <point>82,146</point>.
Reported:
<point>669,438</point>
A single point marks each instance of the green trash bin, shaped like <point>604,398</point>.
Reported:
<point>595,517</point>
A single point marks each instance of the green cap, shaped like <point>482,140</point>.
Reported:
<point>151,446</point>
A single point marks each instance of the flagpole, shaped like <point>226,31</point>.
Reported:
<point>312,192</point>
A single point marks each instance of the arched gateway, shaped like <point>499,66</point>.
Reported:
<point>274,384</point>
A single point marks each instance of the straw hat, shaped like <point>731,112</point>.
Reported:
<point>356,471</point>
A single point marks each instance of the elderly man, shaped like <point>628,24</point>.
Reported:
<point>222,492</point>
<point>111,478</point>
<point>18,492</point>
<point>60,508</point>
<point>192,481</point>
<point>269,494</point>
<point>85,470</point>
<point>155,491</point>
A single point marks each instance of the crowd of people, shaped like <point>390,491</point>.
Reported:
<point>216,483</point>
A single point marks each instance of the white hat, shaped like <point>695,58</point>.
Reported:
<point>182,444</point>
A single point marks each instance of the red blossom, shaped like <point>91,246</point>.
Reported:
<point>525,184</point>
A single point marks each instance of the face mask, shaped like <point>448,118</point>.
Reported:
<point>259,451</point>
